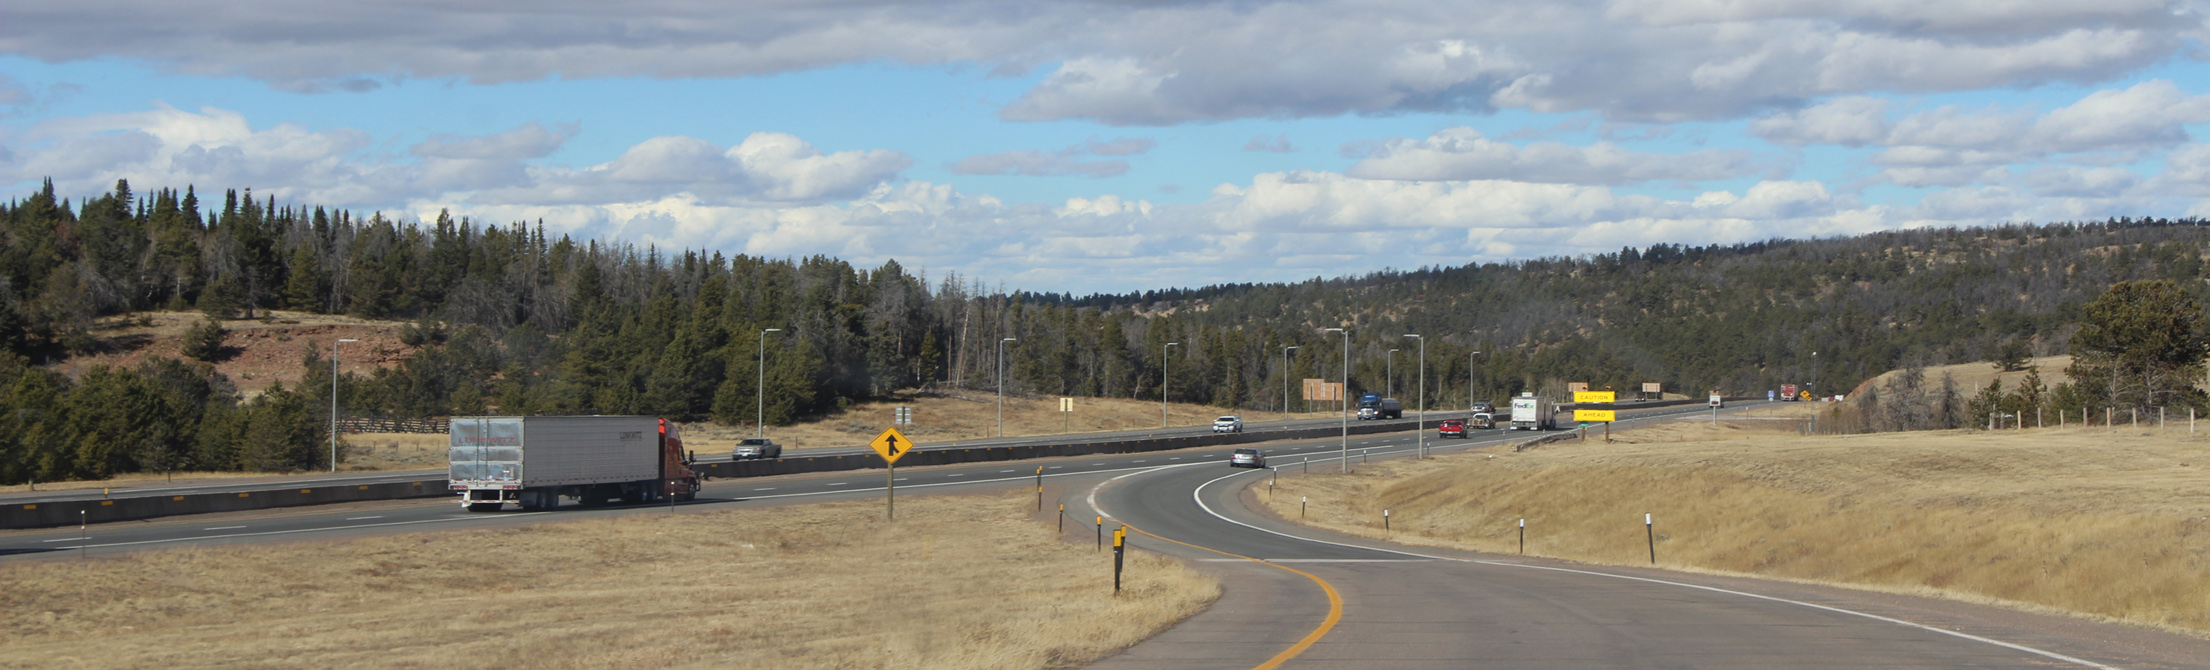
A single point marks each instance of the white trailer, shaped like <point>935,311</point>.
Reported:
<point>1530,412</point>
<point>534,460</point>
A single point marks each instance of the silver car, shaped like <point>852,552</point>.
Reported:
<point>756,448</point>
<point>1247,458</point>
<point>1228,424</point>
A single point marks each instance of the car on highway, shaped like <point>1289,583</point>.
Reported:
<point>1247,458</point>
<point>1484,407</point>
<point>1482,420</point>
<point>1450,428</point>
<point>756,448</point>
<point>1228,424</point>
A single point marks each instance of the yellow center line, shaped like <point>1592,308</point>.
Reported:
<point>1335,602</point>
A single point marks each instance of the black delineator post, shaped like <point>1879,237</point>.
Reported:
<point>1039,488</point>
<point>1101,533</point>
<point>1062,518</point>
<point>1120,552</point>
<point>1523,537</point>
<point>1651,531</point>
<point>1384,520</point>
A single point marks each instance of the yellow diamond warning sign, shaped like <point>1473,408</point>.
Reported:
<point>891,444</point>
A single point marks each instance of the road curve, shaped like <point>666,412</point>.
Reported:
<point>1426,608</point>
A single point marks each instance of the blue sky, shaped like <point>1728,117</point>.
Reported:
<point>1098,147</point>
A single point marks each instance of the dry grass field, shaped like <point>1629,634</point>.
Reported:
<point>956,582</point>
<point>2089,521</point>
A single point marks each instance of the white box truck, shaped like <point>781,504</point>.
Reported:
<point>1533,413</point>
<point>534,460</point>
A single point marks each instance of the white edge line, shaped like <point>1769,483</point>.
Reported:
<point>1195,495</point>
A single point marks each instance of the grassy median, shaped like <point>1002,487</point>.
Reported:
<point>2094,521</point>
<point>955,582</point>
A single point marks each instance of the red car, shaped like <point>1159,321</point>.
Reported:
<point>1451,428</point>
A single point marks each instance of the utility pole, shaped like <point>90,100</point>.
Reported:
<point>1164,363</point>
<point>1345,460</point>
<point>1420,425</point>
<point>334,404</point>
<point>759,393</point>
<point>1001,383</point>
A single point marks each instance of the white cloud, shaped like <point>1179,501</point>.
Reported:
<point>1064,162</point>
<point>1465,154</point>
<point>1172,62</point>
<point>1278,144</point>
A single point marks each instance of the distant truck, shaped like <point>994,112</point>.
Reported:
<point>1381,408</point>
<point>1787,392</point>
<point>1530,412</point>
<point>535,460</point>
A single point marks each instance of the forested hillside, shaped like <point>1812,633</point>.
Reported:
<point>522,322</point>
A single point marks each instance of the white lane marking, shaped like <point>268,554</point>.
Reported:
<point>1196,495</point>
<point>310,530</point>
<point>1005,471</point>
<point>1139,460</point>
<point>765,488</point>
<point>955,474</point>
<point>66,539</point>
<point>900,479</point>
<point>223,528</point>
<point>1054,467</point>
<point>839,484</point>
<point>1174,458</point>
<point>359,518</point>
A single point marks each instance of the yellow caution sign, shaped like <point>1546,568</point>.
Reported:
<point>1594,396</point>
<point>891,444</point>
<point>1595,415</point>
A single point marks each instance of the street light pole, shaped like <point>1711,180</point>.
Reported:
<point>334,404</point>
<point>1001,383</point>
<point>1389,377</point>
<point>1470,399</point>
<point>1814,373</point>
<point>1420,425</point>
<point>1285,382</point>
<point>1346,454</point>
<point>1164,363</point>
<point>759,393</point>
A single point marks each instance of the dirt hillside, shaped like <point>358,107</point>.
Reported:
<point>257,352</point>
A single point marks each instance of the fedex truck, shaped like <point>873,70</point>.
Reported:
<point>1530,412</point>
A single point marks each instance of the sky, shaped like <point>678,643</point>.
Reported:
<point>1115,146</point>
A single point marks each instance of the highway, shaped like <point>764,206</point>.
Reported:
<point>242,484</point>
<point>1392,606</point>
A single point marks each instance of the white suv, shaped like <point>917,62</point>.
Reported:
<point>1227,424</point>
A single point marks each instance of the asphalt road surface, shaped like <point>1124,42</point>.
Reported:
<point>1297,597</point>
<point>243,484</point>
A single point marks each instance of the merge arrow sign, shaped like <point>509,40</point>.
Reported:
<point>891,445</point>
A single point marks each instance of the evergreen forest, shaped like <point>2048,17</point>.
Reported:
<point>516,321</point>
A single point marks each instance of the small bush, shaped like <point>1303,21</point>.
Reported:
<point>205,341</point>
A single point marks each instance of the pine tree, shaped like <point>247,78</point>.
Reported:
<point>204,342</point>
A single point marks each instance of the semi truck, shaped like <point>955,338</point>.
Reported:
<point>1381,408</point>
<point>1787,392</point>
<point>534,461</point>
<point>1530,412</point>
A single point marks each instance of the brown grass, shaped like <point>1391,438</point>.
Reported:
<point>1971,376</point>
<point>2093,521</point>
<point>955,582</point>
<point>261,352</point>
